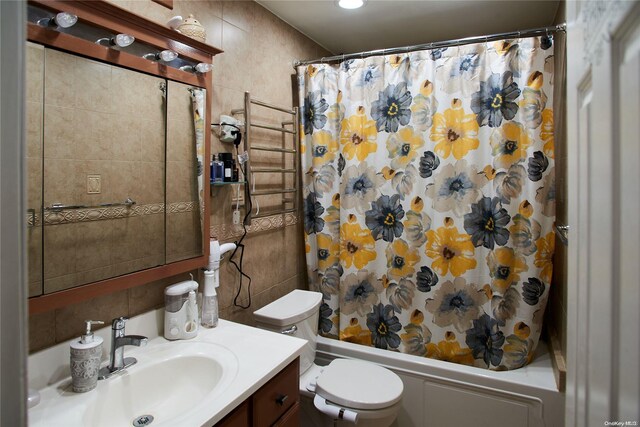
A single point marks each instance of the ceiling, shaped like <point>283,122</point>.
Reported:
<point>394,23</point>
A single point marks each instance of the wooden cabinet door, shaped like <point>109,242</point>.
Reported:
<point>238,418</point>
<point>275,398</point>
<point>291,418</point>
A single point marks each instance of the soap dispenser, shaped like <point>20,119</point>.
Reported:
<point>86,354</point>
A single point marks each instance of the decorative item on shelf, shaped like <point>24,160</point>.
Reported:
<point>192,28</point>
<point>174,22</point>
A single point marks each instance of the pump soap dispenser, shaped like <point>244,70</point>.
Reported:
<point>86,353</point>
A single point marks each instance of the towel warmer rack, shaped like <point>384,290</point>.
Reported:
<point>288,127</point>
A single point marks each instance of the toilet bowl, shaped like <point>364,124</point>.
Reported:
<point>352,391</point>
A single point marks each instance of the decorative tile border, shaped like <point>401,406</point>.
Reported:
<point>179,207</point>
<point>33,219</point>
<point>99,214</point>
<point>229,231</point>
<point>221,232</point>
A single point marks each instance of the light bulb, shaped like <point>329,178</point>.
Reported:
<point>168,55</point>
<point>203,67</point>
<point>350,4</point>
<point>65,20</point>
<point>62,20</point>
<point>123,40</point>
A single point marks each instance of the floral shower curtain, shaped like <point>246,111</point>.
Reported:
<point>429,199</point>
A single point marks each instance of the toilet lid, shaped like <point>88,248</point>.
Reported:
<point>359,385</point>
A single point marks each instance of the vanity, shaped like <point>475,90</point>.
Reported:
<point>231,375</point>
<point>118,140</point>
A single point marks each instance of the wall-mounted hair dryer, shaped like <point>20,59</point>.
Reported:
<point>211,282</point>
<point>230,129</point>
<point>216,251</point>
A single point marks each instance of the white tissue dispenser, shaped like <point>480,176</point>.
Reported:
<point>181,311</point>
<point>85,357</point>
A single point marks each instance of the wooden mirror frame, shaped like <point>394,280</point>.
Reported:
<point>166,3</point>
<point>117,20</point>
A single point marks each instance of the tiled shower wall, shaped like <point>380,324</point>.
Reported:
<point>259,51</point>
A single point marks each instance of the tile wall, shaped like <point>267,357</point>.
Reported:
<point>259,52</point>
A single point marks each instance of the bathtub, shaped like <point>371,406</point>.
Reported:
<point>443,394</point>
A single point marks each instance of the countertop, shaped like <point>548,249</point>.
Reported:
<point>261,355</point>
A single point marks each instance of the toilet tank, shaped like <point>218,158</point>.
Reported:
<point>294,314</point>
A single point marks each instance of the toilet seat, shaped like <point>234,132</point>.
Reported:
<point>359,385</point>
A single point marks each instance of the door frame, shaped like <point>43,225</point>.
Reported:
<point>603,345</point>
<point>13,290</point>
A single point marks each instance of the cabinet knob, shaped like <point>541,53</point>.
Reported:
<point>281,398</point>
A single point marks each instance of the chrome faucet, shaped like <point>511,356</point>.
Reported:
<point>117,361</point>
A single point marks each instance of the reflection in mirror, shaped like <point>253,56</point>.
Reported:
<point>104,153</point>
<point>34,92</point>
<point>184,232</point>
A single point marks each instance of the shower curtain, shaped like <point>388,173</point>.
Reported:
<point>429,199</point>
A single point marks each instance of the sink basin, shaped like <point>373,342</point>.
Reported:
<point>172,383</point>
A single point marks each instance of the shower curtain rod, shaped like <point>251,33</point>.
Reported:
<point>437,45</point>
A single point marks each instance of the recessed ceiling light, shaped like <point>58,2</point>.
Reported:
<point>350,4</point>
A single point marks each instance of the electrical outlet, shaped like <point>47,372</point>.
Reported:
<point>236,217</point>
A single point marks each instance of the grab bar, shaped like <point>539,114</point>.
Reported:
<point>59,207</point>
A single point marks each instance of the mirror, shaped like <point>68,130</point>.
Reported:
<point>184,235</point>
<point>112,171</point>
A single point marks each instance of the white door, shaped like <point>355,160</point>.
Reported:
<point>603,102</point>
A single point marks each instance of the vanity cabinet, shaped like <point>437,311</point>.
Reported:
<point>276,403</point>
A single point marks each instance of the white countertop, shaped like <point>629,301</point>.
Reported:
<point>260,354</point>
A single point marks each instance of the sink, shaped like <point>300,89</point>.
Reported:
<point>170,384</point>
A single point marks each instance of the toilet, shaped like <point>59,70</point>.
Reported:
<point>347,390</point>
